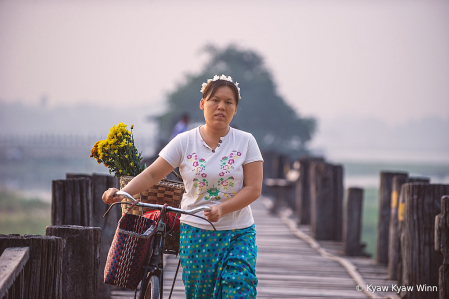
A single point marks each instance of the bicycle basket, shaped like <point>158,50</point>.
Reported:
<point>129,251</point>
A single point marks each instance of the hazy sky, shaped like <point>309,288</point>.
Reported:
<point>384,59</point>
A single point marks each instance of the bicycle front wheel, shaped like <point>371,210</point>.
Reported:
<point>150,288</point>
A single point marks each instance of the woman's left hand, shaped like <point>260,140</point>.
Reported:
<point>214,214</point>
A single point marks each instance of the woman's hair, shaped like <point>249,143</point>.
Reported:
<point>213,86</point>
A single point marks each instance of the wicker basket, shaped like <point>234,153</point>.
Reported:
<point>165,192</point>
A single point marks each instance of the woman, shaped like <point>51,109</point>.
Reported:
<point>221,167</point>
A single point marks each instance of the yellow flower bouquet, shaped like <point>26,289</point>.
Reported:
<point>118,152</point>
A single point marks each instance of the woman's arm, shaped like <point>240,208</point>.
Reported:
<point>252,187</point>
<point>149,177</point>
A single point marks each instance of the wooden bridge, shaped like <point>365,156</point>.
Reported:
<point>291,264</point>
<point>293,260</point>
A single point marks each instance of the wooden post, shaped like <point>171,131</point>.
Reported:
<point>338,191</point>
<point>81,258</point>
<point>352,225</point>
<point>322,220</point>
<point>42,274</point>
<point>420,261</point>
<point>394,252</point>
<point>303,190</point>
<point>71,201</point>
<point>57,202</point>
<point>442,246</point>
<point>292,176</point>
<point>393,242</point>
<point>87,202</point>
<point>86,197</point>
<point>383,226</point>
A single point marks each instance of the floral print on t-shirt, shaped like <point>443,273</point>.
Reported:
<point>203,188</point>
<point>199,165</point>
<point>227,162</point>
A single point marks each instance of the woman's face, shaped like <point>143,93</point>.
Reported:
<point>220,108</point>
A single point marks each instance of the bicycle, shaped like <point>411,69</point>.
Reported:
<point>151,285</point>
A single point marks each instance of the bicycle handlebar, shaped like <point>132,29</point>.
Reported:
<point>159,207</point>
<point>156,206</point>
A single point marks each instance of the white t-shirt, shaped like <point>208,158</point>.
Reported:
<point>212,176</point>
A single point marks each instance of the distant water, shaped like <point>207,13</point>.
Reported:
<point>367,174</point>
<point>34,176</point>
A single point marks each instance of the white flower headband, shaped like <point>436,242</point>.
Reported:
<point>222,77</point>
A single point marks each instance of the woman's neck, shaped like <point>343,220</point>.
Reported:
<point>212,133</point>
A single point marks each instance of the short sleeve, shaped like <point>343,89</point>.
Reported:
<point>172,152</point>
<point>253,154</point>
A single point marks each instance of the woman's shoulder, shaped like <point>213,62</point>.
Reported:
<point>242,134</point>
<point>187,134</point>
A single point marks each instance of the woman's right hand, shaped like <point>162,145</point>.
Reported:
<point>108,196</point>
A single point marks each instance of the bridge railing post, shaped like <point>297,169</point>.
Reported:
<point>383,224</point>
<point>81,257</point>
<point>338,190</point>
<point>303,189</point>
<point>420,261</point>
<point>394,242</point>
<point>442,246</point>
<point>352,222</point>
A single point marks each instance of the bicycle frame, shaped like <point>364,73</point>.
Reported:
<point>155,264</point>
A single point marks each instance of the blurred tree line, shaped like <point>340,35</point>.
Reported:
<point>261,111</point>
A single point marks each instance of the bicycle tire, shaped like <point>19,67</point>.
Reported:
<point>150,288</point>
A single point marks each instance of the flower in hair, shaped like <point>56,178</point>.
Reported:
<point>222,77</point>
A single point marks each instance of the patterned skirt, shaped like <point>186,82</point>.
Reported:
<point>218,264</point>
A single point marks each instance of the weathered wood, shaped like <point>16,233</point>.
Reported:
<point>44,252</point>
<point>34,277</point>
<point>76,201</point>
<point>81,259</point>
<point>86,200</point>
<point>420,261</point>
<point>12,264</point>
<point>303,189</point>
<point>68,203</point>
<point>338,191</point>
<point>72,201</point>
<point>86,195</point>
<point>442,246</point>
<point>322,216</point>
<point>394,243</point>
<point>292,176</point>
<point>352,225</point>
<point>383,226</point>
<point>99,207</point>
<point>57,202</point>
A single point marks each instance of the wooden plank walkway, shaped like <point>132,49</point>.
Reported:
<point>291,264</point>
